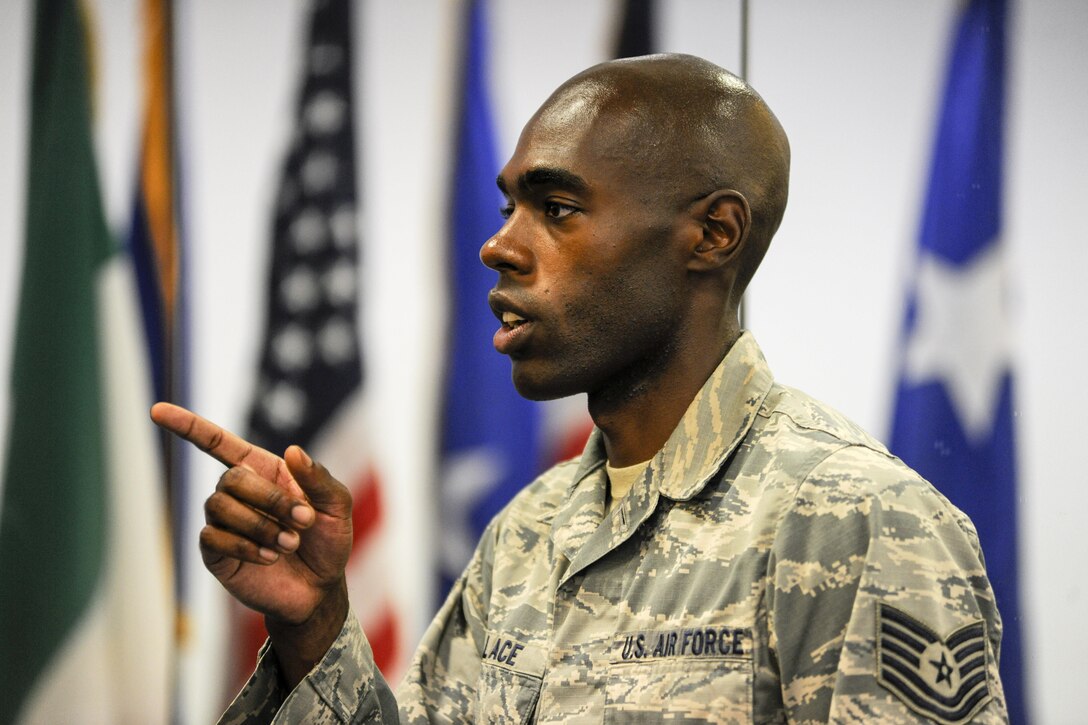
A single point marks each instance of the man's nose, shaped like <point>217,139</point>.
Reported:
<point>503,253</point>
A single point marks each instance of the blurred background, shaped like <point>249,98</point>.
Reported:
<point>858,87</point>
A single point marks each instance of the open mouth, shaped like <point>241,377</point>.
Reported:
<point>512,320</point>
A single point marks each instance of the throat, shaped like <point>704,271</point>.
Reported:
<point>637,427</point>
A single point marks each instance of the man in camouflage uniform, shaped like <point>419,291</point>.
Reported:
<point>770,562</point>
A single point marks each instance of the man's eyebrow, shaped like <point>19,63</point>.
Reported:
<point>547,176</point>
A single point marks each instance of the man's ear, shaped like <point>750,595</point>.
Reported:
<point>726,219</point>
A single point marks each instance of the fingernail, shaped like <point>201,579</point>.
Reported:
<point>303,515</point>
<point>306,457</point>
<point>267,554</point>
<point>288,540</point>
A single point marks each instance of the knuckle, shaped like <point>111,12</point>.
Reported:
<point>230,479</point>
<point>264,529</point>
<point>213,441</point>
<point>207,539</point>
<point>275,499</point>
<point>242,549</point>
<point>213,507</point>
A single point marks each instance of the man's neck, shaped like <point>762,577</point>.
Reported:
<point>637,422</point>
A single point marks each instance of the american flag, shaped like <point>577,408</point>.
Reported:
<point>311,385</point>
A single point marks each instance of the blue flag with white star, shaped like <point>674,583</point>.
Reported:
<point>953,419</point>
<point>489,432</point>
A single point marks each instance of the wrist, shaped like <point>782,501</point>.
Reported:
<point>300,646</point>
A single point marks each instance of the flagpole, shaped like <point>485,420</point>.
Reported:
<point>744,39</point>
<point>743,69</point>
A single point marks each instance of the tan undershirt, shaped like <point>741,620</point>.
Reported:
<point>620,480</point>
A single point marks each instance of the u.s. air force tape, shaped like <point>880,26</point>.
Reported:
<point>943,679</point>
<point>699,642</point>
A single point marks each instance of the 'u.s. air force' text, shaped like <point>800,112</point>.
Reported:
<point>689,642</point>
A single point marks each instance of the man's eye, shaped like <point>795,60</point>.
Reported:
<point>506,210</point>
<point>555,210</point>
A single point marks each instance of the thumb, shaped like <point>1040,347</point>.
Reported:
<point>325,493</point>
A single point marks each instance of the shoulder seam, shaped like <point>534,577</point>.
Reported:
<point>830,434</point>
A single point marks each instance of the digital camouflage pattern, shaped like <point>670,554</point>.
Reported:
<point>739,581</point>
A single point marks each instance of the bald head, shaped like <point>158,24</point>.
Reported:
<point>687,128</point>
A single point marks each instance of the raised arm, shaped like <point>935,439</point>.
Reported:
<point>277,536</point>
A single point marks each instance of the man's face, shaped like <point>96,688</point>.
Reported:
<point>592,282</point>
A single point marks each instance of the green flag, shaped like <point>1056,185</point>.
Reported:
<point>63,547</point>
<point>52,526</point>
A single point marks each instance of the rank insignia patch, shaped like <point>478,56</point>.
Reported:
<point>943,679</point>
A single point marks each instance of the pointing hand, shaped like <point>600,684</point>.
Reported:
<point>277,535</point>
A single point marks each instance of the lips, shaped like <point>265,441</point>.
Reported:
<point>513,334</point>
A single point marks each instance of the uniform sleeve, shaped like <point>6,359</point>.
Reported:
<point>879,608</point>
<point>346,686</point>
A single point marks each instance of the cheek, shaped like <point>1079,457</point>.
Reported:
<point>605,323</point>
<point>623,311</point>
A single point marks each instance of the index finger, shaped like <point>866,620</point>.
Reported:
<point>226,447</point>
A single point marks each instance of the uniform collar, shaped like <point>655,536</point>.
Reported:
<point>713,426</point>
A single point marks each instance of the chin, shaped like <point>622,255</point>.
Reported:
<point>538,385</point>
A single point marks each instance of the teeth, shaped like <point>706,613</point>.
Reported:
<point>511,319</point>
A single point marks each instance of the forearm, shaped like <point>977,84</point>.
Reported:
<point>344,686</point>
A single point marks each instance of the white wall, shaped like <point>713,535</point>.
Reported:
<point>853,82</point>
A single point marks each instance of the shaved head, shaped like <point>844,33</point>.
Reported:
<point>685,128</point>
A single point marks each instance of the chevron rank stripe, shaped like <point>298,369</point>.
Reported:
<point>943,679</point>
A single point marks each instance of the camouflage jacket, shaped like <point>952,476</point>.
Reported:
<point>774,564</point>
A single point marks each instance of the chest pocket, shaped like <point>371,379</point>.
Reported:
<point>510,679</point>
<point>680,691</point>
